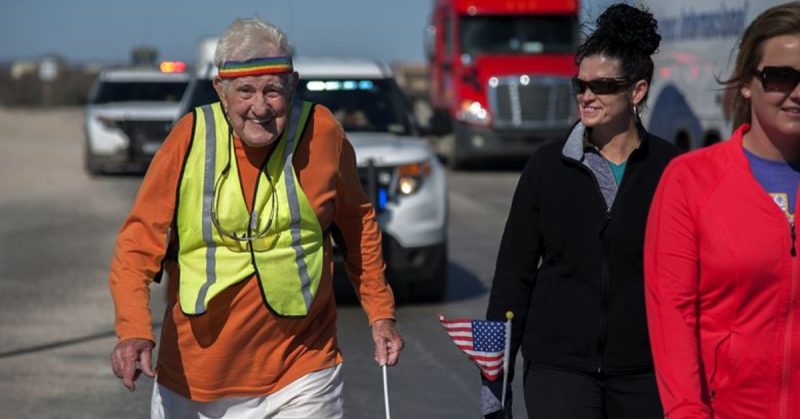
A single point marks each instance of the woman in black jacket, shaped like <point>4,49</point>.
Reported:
<point>570,262</point>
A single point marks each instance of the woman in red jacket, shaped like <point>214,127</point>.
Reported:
<point>722,274</point>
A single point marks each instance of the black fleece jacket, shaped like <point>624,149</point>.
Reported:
<point>582,308</point>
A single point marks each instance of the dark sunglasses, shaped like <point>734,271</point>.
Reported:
<point>600,86</point>
<point>778,79</point>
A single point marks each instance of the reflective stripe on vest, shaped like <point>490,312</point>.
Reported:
<point>221,244</point>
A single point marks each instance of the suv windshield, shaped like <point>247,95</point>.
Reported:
<point>517,34</point>
<point>114,91</point>
<point>375,105</point>
<point>201,92</point>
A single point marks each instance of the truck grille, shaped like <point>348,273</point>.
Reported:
<point>523,102</point>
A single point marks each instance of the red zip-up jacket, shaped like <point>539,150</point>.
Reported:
<point>722,290</point>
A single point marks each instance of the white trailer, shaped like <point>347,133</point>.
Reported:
<point>687,104</point>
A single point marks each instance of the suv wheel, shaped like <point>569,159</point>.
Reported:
<point>433,288</point>
<point>91,161</point>
<point>455,155</point>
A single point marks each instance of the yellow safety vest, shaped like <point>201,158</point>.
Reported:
<point>220,244</point>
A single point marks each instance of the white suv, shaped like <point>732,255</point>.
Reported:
<point>129,114</point>
<point>398,170</point>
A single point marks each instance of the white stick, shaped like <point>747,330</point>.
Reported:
<point>506,357</point>
<point>386,393</point>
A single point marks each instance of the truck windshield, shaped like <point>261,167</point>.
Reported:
<point>517,34</point>
<point>139,91</point>
<point>374,105</point>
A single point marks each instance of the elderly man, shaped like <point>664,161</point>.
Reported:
<point>238,207</point>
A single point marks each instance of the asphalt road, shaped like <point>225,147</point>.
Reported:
<point>57,232</point>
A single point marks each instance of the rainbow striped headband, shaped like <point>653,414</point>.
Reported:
<point>255,67</point>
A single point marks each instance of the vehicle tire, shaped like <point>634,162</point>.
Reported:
<point>91,161</point>
<point>455,161</point>
<point>434,288</point>
<point>343,291</point>
<point>457,157</point>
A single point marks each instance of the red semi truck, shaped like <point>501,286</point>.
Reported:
<point>500,75</point>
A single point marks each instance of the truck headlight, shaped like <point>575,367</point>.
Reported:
<point>410,177</point>
<point>473,112</point>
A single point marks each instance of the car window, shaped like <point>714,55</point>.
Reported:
<point>128,91</point>
<point>375,105</point>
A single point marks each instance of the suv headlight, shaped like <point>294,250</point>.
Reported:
<point>108,123</point>
<point>410,177</point>
<point>473,112</point>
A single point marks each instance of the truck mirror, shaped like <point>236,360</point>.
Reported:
<point>430,40</point>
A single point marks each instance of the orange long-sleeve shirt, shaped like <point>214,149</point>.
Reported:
<point>238,347</point>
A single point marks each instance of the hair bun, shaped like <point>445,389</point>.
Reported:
<point>632,27</point>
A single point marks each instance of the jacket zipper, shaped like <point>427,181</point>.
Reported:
<point>604,284</point>
<point>787,345</point>
<point>606,276</point>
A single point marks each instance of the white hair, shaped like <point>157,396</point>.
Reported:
<point>250,38</point>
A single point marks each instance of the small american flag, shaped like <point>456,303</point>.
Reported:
<point>483,341</point>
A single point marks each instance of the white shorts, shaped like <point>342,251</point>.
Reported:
<point>315,395</point>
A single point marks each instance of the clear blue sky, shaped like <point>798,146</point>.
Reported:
<point>106,30</point>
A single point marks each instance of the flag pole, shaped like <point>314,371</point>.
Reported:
<point>506,356</point>
<point>386,393</point>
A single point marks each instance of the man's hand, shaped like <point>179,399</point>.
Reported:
<point>388,342</point>
<point>125,356</point>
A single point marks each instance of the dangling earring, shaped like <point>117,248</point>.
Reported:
<point>635,110</point>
